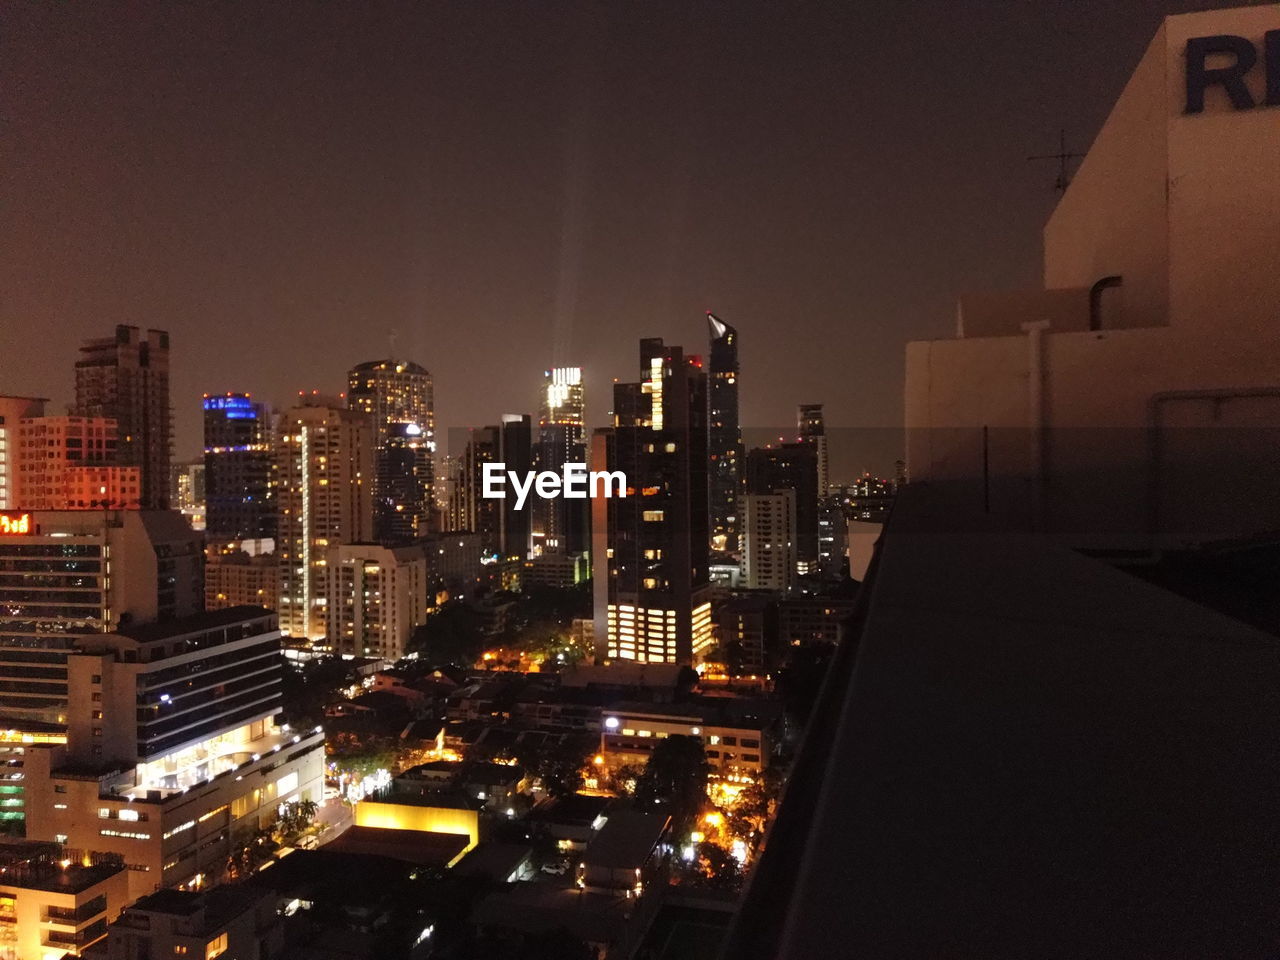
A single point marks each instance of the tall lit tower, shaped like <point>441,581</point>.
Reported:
<point>239,471</point>
<point>724,435</point>
<point>399,398</point>
<point>560,524</point>
<point>324,471</point>
<point>650,549</point>
<point>126,377</point>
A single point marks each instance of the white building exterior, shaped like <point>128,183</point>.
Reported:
<point>1151,352</point>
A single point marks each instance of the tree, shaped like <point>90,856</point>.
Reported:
<point>453,634</point>
<point>676,773</point>
<point>713,867</point>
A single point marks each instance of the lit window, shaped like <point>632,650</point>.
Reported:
<point>217,947</point>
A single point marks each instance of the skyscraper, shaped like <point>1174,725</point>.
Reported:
<point>505,532</point>
<point>813,431</point>
<point>724,435</point>
<point>650,549</point>
<point>397,394</point>
<point>324,464</point>
<point>126,377</point>
<point>239,472</point>
<point>560,525</point>
<point>791,466</point>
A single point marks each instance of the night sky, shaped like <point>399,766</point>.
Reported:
<point>512,185</point>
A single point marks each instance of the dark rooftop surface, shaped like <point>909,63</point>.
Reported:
<point>209,620</point>
<point>1029,754</point>
<point>626,839</point>
<point>494,861</point>
<point>411,846</point>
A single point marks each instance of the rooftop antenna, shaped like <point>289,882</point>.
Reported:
<point>391,342</point>
<point>1062,156</point>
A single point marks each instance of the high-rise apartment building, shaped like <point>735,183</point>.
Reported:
<point>560,525</point>
<point>69,463</point>
<point>376,597</point>
<point>813,430</point>
<point>174,754</point>
<point>769,540</point>
<point>126,377</point>
<point>398,397</point>
<point>13,410</point>
<point>724,435</point>
<point>324,475</point>
<point>239,468</point>
<point>650,549</point>
<point>791,466</point>
<point>187,491</point>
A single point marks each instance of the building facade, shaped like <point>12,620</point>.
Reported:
<point>173,754</point>
<point>70,463</point>
<point>13,410</point>
<point>324,469</point>
<point>650,549</point>
<point>126,377</point>
<point>398,397</point>
<point>794,467</point>
<point>724,435</point>
<point>1144,369</point>
<point>769,541</point>
<point>375,597</point>
<point>239,468</point>
<point>560,525</point>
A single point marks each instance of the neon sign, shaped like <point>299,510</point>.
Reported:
<point>15,523</point>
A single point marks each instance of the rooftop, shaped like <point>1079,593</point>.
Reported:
<point>1021,751</point>
<point>626,840</point>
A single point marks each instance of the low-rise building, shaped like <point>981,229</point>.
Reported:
<point>240,922</point>
<point>55,901</point>
<point>736,734</point>
<point>622,857</point>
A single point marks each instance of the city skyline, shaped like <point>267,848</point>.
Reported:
<point>292,207</point>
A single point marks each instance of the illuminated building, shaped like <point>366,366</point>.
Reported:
<point>560,524</point>
<point>65,576</point>
<point>239,472</point>
<point>324,469</point>
<point>650,549</point>
<point>736,735</point>
<point>505,532</point>
<point>126,377</point>
<point>173,755</point>
<point>794,467</point>
<point>69,463</point>
<point>235,578</point>
<point>13,410</point>
<point>396,394</point>
<point>403,474</point>
<point>769,541</point>
<point>55,901</point>
<point>375,597</point>
<point>724,435</point>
